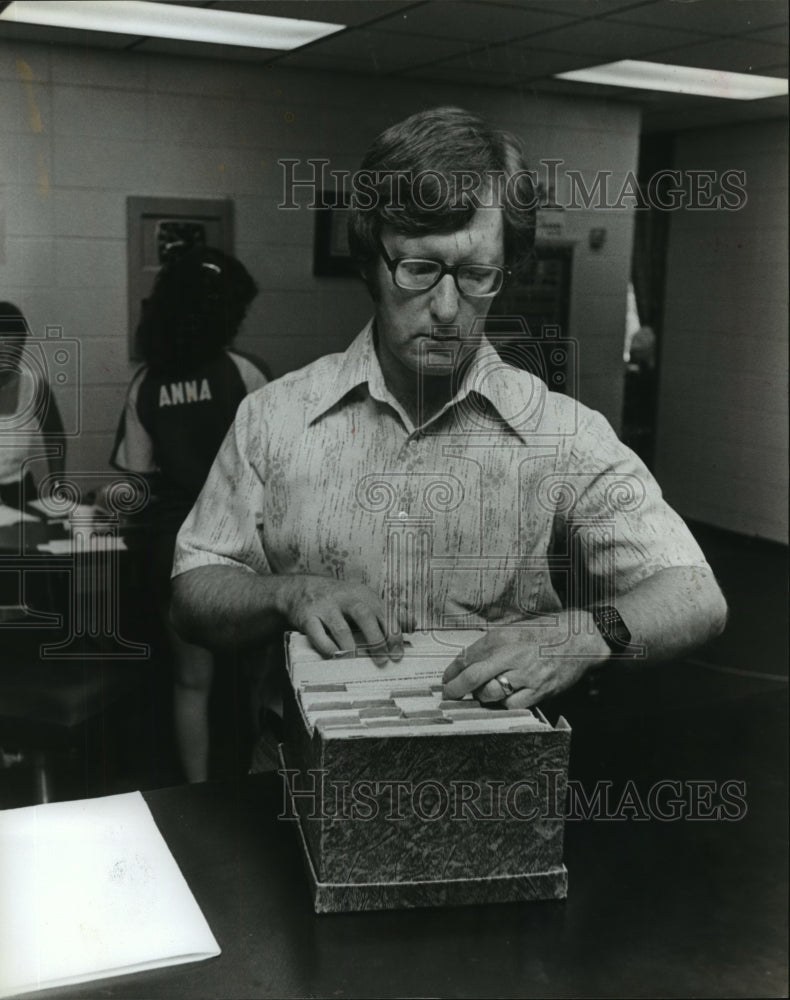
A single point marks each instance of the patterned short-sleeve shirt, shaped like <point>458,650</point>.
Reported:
<point>512,500</point>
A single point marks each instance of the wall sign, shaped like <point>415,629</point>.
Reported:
<point>331,252</point>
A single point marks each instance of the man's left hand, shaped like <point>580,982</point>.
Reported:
<point>538,658</point>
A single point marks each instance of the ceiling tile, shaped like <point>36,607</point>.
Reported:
<point>531,62</point>
<point>734,54</point>
<point>473,22</point>
<point>515,62</point>
<point>489,43</point>
<point>348,12</point>
<point>459,74</point>
<point>177,47</point>
<point>570,8</point>
<point>778,69</point>
<point>64,36</point>
<point>570,88</point>
<point>314,58</point>
<point>606,39</point>
<point>715,17</point>
<point>776,35</point>
<point>544,62</point>
<point>382,51</point>
<point>720,113</point>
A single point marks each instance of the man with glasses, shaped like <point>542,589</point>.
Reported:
<point>419,481</point>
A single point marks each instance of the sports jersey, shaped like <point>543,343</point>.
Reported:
<point>171,427</point>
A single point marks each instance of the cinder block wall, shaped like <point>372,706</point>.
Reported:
<point>81,129</point>
<point>722,421</point>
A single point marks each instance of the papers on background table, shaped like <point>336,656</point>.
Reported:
<point>89,889</point>
<point>54,512</point>
<point>98,543</point>
<point>10,515</point>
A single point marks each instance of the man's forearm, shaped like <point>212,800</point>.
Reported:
<point>673,611</point>
<point>229,606</point>
<point>669,613</point>
<point>225,606</point>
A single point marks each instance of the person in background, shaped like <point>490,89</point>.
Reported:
<point>179,405</point>
<point>640,395</point>
<point>29,417</point>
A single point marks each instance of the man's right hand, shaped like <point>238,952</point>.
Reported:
<point>329,611</point>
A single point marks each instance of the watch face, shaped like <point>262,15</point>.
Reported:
<point>612,628</point>
<point>620,632</point>
<point>175,235</point>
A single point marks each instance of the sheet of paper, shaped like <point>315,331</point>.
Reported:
<point>99,543</point>
<point>89,889</point>
<point>54,512</point>
<point>10,515</point>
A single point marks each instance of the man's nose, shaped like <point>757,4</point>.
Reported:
<point>444,300</point>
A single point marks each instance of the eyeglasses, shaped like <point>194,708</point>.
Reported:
<point>416,274</point>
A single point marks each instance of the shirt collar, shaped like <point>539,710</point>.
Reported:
<point>358,366</point>
<point>517,397</point>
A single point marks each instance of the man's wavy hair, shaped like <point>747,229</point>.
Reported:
<point>197,305</point>
<point>430,173</point>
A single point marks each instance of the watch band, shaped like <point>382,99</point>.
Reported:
<point>614,630</point>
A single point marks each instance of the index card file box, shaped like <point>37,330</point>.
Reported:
<point>404,799</point>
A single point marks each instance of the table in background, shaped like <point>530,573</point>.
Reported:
<point>79,638</point>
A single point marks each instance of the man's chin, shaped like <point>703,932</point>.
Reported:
<point>438,358</point>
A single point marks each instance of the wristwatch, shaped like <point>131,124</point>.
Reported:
<point>613,629</point>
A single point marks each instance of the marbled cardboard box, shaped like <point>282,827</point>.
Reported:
<point>405,800</point>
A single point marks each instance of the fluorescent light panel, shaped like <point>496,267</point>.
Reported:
<point>167,20</point>
<point>680,80</point>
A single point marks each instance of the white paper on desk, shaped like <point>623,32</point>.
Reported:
<point>98,543</point>
<point>89,889</point>
<point>10,515</point>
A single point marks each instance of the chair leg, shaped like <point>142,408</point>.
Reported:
<point>41,777</point>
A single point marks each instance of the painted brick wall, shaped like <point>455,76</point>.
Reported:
<point>722,425</point>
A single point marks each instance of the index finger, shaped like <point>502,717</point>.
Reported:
<point>377,641</point>
<point>469,670</point>
<point>475,652</point>
<point>374,642</point>
<point>394,641</point>
<point>454,669</point>
<point>319,637</point>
